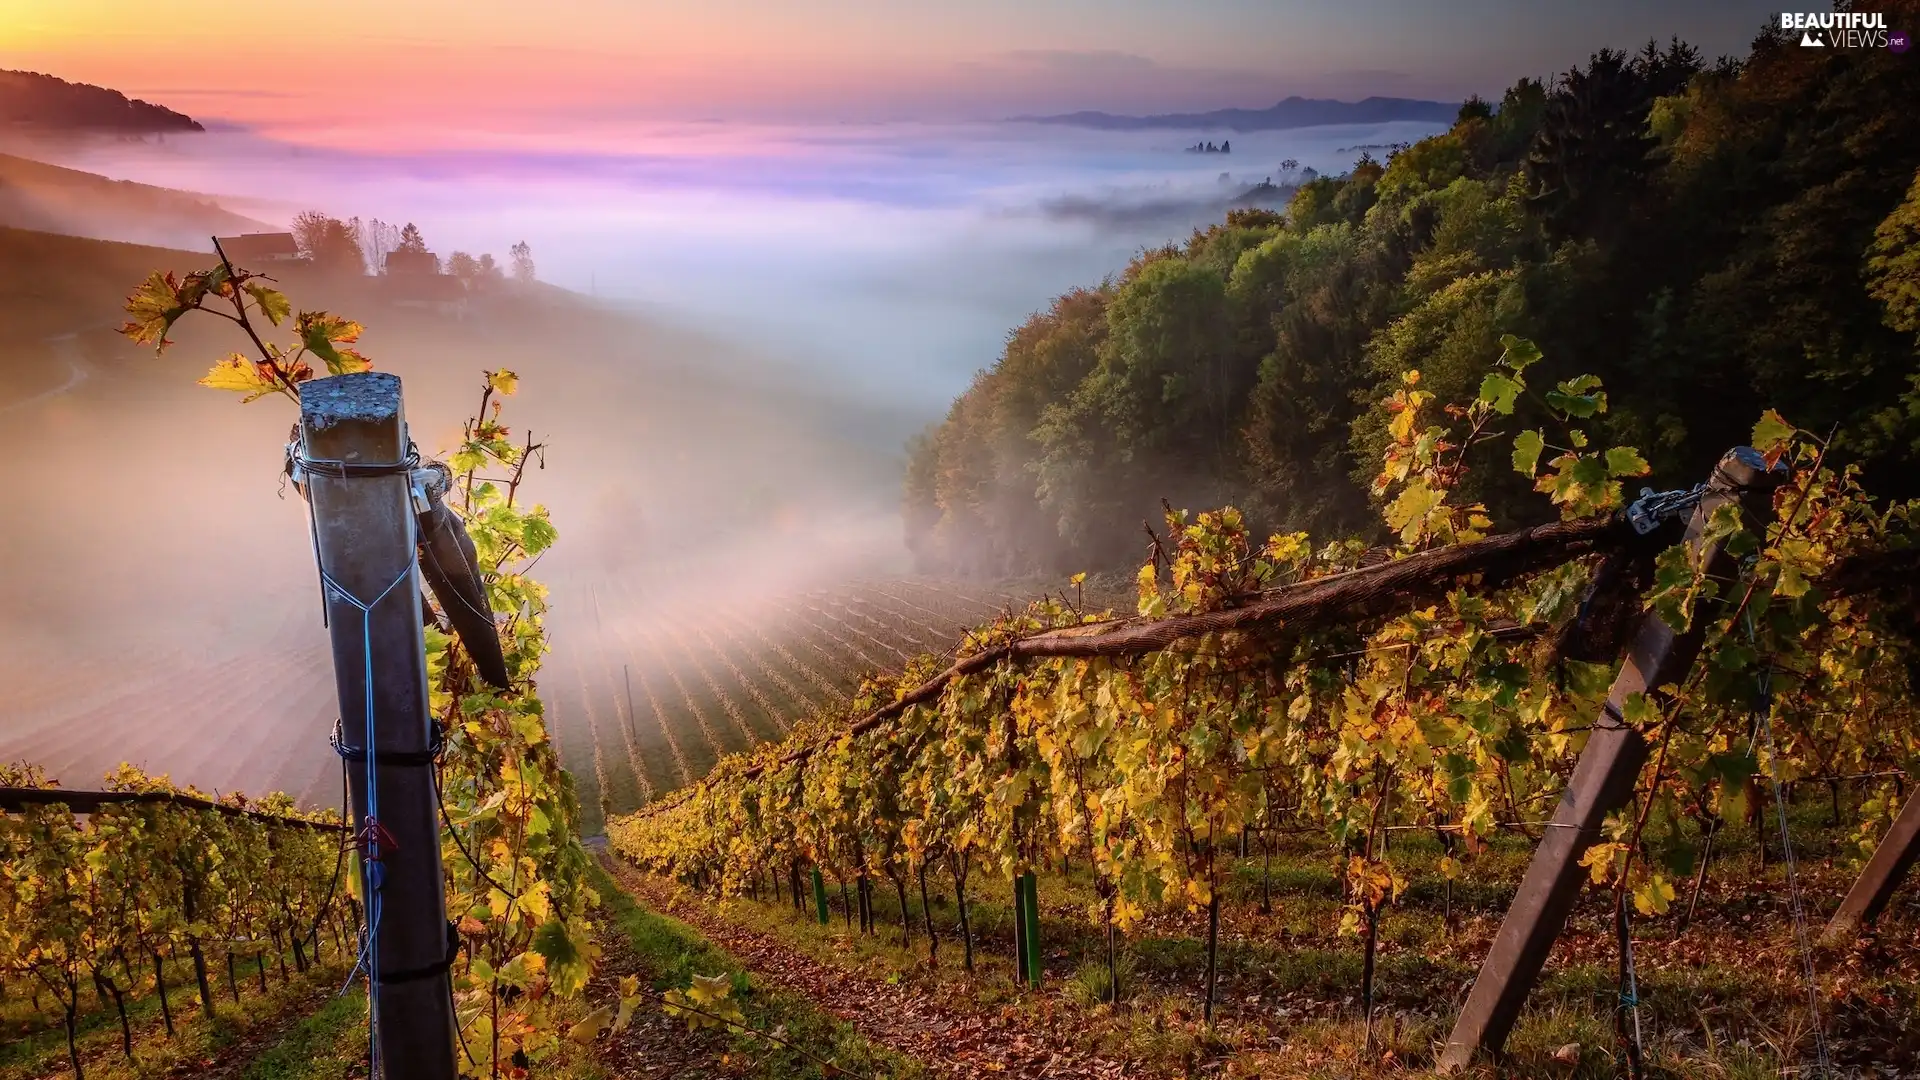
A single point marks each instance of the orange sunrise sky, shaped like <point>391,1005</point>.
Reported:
<point>513,65</point>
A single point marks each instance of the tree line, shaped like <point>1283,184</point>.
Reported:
<point>354,246</point>
<point>32,100</point>
<point>1706,238</point>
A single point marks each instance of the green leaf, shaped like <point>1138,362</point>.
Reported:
<point>1572,397</point>
<point>553,942</point>
<point>1772,433</point>
<point>1733,801</point>
<point>1500,391</point>
<point>465,460</point>
<point>1588,680</point>
<point>1518,352</point>
<point>1526,452</point>
<point>1735,656</point>
<point>537,534</point>
<point>1579,405</point>
<point>1626,461</point>
<point>322,334</point>
<point>1639,711</point>
<point>272,302</point>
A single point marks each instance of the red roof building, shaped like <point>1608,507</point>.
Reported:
<point>412,263</point>
<point>252,249</point>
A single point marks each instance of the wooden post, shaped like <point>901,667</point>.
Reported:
<point>353,434</point>
<point>1897,853</point>
<point>1603,780</point>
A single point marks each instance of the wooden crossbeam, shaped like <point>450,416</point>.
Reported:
<point>18,799</point>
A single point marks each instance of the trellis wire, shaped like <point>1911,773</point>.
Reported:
<point>1763,710</point>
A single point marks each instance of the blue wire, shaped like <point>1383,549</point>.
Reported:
<point>368,959</point>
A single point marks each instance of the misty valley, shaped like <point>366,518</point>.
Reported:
<point>1047,574</point>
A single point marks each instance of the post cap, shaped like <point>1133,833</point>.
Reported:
<point>367,397</point>
<point>1743,467</point>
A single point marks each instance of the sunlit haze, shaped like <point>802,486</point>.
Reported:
<point>797,232</point>
<point>351,68</point>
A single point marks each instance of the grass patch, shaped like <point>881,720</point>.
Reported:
<point>325,1044</point>
<point>36,1043</point>
<point>195,1040</point>
<point>674,952</point>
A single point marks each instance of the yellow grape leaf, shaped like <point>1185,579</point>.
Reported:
<point>1653,897</point>
<point>629,998</point>
<point>504,381</point>
<point>1408,514</point>
<point>1599,860</point>
<point>272,302</point>
<point>710,989</point>
<point>589,1028</point>
<point>153,308</point>
<point>1289,547</point>
<point>240,375</point>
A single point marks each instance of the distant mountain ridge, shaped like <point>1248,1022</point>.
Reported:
<point>1294,112</point>
<point>31,100</point>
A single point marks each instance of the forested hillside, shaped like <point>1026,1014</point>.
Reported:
<point>1707,238</point>
<point>35,101</point>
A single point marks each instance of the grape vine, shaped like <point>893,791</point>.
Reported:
<point>1460,710</point>
<point>96,900</point>
<point>516,874</point>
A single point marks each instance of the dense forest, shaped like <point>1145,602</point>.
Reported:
<point>1710,239</point>
<point>31,100</point>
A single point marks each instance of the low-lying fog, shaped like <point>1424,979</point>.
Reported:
<point>890,259</point>
<point>788,306</point>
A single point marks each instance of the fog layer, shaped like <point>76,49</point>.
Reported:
<point>766,316</point>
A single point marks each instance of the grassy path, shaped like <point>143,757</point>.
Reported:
<point>946,1035</point>
<point>665,951</point>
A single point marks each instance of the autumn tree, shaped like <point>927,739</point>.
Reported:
<point>329,243</point>
<point>1893,262</point>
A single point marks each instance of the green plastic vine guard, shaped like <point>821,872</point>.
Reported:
<point>1031,918</point>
